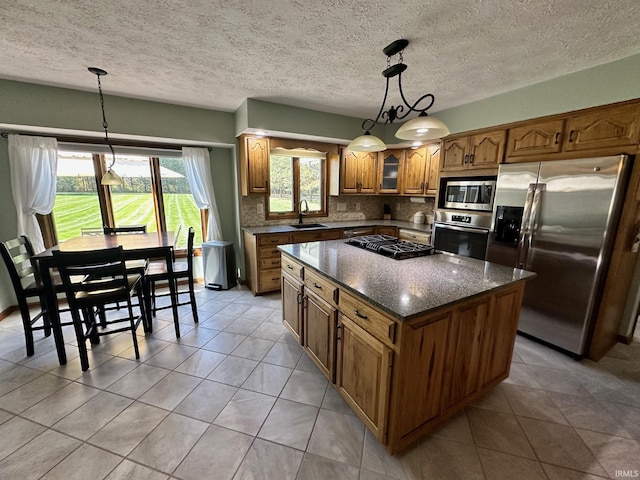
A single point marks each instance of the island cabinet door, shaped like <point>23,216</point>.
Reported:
<point>363,372</point>
<point>319,327</point>
<point>462,367</point>
<point>292,290</point>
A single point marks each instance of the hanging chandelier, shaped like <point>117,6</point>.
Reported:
<point>110,177</point>
<point>421,128</point>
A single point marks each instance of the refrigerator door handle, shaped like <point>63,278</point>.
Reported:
<point>533,220</point>
<point>525,230</point>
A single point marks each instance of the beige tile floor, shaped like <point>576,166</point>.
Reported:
<point>235,398</point>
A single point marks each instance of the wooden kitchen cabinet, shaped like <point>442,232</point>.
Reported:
<point>382,230</point>
<point>319,327</point>
<point>617,126</point>
<point>316,235</point>
<point>262,260</point>
<point>358,172</point>
<point>363,374</point>
<point>608,130</point>
<point>390,165</point>
<point>535,139</point>
<point>420,174</point>
<point>478,151</point>
<point>292,291</point>
<point>254,164</point>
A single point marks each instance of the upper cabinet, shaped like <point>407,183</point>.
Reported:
<point>598,131</point>
<point>472,152</point>
<point>254,164</point>
<point>358,172</point>
<point>614,127</point>
<point>420,173</point>
<point>390,163</point>
<point>535,139</point>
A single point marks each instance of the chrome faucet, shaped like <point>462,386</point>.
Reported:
<point>301,211</point>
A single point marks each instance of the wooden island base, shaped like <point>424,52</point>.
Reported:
<point>402,378</point>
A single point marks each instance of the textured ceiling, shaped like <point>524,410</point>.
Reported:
<point>324,55</point>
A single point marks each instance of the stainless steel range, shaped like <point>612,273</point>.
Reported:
<point>391,247</point>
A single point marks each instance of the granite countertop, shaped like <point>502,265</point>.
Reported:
<point>347,224</point>
<point>405,289</point>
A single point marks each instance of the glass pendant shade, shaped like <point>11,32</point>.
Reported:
<point>422,128</point>
<point>367,143</point>
<point>112,178</point>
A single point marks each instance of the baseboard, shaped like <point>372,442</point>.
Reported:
<point>5,313</point>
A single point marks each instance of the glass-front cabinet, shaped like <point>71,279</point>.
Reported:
<point>389,165</point>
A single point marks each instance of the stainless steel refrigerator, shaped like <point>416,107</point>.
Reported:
<point>558,219</point>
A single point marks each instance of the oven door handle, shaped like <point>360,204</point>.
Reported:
<point>462,229</point>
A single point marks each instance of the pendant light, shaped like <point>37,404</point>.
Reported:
<point>422,128</point>
<point>110,177</point>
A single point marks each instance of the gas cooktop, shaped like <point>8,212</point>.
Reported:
<point>391,247</point>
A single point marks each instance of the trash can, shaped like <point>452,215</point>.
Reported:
<point>219,265</point>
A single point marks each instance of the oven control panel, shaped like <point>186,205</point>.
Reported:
<point>461,218</point>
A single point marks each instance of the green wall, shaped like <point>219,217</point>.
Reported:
<point>609,83</point>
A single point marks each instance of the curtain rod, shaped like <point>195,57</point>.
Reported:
<point>123,143</point>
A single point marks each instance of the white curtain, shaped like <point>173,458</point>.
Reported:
<point>33,162</point>
<point>198,167</point>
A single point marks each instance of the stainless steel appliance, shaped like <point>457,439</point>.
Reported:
<point>557,219</point>
<point>462,233</point>
<point>391,247</point>
<point>469,194</point>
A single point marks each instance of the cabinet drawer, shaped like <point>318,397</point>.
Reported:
<point>273,262</point>
<point>292,267</point>
<point>317,236</point>
<point>264,252</point>
<point>321,287</point>
<point>269,279</point>
<point>367,317</point>
<point>413,236</point>
<point>275,239</point>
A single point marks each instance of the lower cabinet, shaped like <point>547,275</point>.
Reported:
<point>292,290</point>
<point>319,327</point>
<point>363,374</point>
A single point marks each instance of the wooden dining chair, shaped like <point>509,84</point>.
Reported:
<point>27,284</point>
<point>158,272</point>
<point>107,282</point>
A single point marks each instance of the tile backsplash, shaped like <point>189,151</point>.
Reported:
<point>371,207</point>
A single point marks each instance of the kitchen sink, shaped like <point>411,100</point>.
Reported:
<point>307,225</point>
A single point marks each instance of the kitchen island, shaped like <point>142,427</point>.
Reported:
<point>407,343</point>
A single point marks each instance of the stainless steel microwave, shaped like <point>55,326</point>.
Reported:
<point>470,194</point>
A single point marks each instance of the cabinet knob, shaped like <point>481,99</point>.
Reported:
<point>315,285</point>
<point>557,138</point>
<point>572,135</point>
<point>466,159</point>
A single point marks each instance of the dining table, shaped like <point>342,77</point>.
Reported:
<point>137,246</point>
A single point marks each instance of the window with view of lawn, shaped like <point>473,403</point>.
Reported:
<point>155,193</point>
<point>292,179</point>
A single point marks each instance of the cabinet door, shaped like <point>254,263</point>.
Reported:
<point>462,369</point>
<point>257,151</point>
<point>536,139</point>
<point>415,167</point>
<point>292,306</point>
<point>319,327</point>
<point>368,172</point>
<point>349,181</point>
<point>455,152</point>
<point>389,168</point>
<point>487,149</point>
<point>614,127</point>
<point>363,374</point>
<point>433,169</point>
<point>392,231</point>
